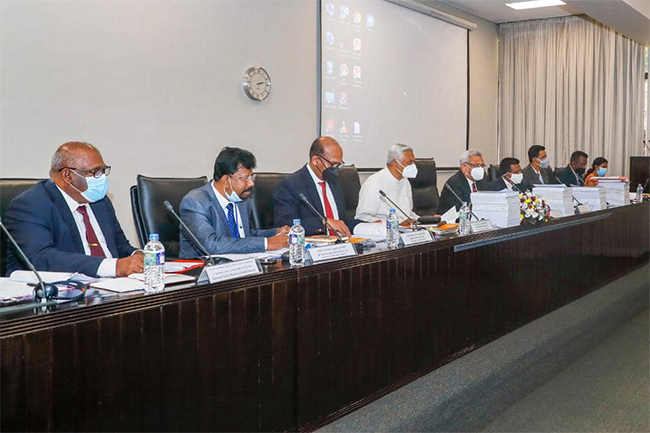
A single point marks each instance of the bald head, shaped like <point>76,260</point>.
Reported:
<point>324,153</point>
<point>71,164</point>
<point>72,154</point>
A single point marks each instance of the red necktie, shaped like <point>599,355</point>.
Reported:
<point>474,187</point>
<point>91,236</point>
<point>328,209</point>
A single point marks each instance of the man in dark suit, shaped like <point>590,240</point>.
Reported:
<point>318,181</point>
<point>510,177</point>
<point>219,213</point>
<point>67,224</point>
<point>470,178</point>
<point>538,172</point>
<point>572,174</point>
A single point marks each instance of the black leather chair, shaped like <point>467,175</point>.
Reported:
<point>351,185</point>
<point>149,195</point>
<point>10,189</point>
<point>493,172</point>
<point>262,199</point>
<point>424,187</point>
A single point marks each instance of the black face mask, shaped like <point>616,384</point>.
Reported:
<point>580,171</point>
<point>331,175</point>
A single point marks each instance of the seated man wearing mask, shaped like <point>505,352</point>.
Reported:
<point>571,175</point>
<point>392,180</point>
<point>469,179</point>
<point>538,172</point>
<point>318,182</point>
<point>220,216</point>
<point>510,178</point>
<point>67,224</point>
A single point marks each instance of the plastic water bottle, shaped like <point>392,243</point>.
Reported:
<point>464,220</point>
<point>154,265</point>
<point>392,231</point>
<point>639,194</point>
<point>296,244</point>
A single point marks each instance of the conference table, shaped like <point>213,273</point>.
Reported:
<point>294,349</point>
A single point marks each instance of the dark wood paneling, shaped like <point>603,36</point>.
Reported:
<point>292,349</point>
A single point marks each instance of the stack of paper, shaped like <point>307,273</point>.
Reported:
<point>617,190</point>
<point>500,207</point>
<point>558,197</point>
<point>594,197</point>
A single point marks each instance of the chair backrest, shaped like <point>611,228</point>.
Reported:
<point>137,215</point>
<point>10,189</point>
<point>351,185</point>
<point>262,198</point>
<point>493,172</point>
<point>151,194</point>
<point>424,187</point>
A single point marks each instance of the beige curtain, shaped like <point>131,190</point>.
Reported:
<point>570,84</point>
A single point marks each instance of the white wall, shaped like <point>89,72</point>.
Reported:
<point>156,85</point>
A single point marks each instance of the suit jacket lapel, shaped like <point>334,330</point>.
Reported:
<point>312,192</point>
<point>244,210</point>
<point>207,189</point>
<point>64,210</point>
<point>99,209</point>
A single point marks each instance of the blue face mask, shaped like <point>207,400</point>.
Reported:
<point>232,196</point>
<point>602,171</point>
<point>97,187</point>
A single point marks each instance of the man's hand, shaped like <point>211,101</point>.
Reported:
<point>283,230</point>
<point>340,227</point>
<point>406,223</point>
<point>133,264</point>
<point>281,240</point>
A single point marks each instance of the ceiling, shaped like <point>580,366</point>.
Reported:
<point>497,11</point>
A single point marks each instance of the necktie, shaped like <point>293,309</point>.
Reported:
<point>91,236</point>
<point>474,187</point>
<point>234,230</point>
<point>541,179</point>
<point>328,208</point>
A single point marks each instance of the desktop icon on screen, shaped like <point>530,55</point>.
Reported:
<point>329,37</point>
<point>344,11</point>
<point>329,125</point>
<point>343,70</point>
<point>356,72</point>
<point>329,97</point>
<point>356,44</point>
<point>343,99</point>
<point>357,128</point>
<point>343,129</point>
<point>357,17</point>
<point>370,21</point>
<point>329,7</point>
<point>330,68</point>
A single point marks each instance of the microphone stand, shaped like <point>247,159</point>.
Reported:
<point>460,201</point>
<point>306,202</point>
<point>190,236</point>
<point>413,223</point>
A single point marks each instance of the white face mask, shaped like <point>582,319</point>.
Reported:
<point>517,177</point>
<point>477,173</point>
<point>409,171</point>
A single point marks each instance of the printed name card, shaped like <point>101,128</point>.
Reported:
<point>481,226</point>
<point>229,271</point>
<point>332,252</point>
<point>416,237</point>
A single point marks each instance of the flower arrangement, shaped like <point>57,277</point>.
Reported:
<point>533,209</point>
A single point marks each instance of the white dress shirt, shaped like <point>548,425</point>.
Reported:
<point>108,266</point>
<point>372,206</point>
<point>224,202</point>
<point>330,196</point>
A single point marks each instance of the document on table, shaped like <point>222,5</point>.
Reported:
<point>264,255</point>
<point>182,265</point>
<point>451,215</point>
<point>10,289</point>
<point>135,282</point>
<point>49,277</point>
<point>372,231</point>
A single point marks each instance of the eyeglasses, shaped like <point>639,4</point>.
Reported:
<point>97,172</point>
<point>247,179</point>
<point>332,165</point>
<point>475,165</point>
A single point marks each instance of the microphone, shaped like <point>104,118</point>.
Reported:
<point>576,211</point>
<point>460,201</point>
<point>190,236</point>
<point>42,292</point>
<point>304,200</point>
<point>423,220</point>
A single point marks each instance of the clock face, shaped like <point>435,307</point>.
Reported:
<point>257,83</point>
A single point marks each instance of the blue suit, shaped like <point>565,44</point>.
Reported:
<point>205,217</point>
<point>44,227</point>
<point>287,204</point>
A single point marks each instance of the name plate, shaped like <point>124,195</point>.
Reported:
<point>481,226</point>
<point>229,271</point>
<point>416,237</point>
<point>583,208</point>
<point>321,254</point>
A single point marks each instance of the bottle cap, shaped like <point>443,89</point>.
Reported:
<point>153,237</point>
<point>296,221</point>
<point>392,211</point>
<point>464,203</point>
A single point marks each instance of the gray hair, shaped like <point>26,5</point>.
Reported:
<point>396,152</point>
<point>65,156</point>
<point>464,158</point>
